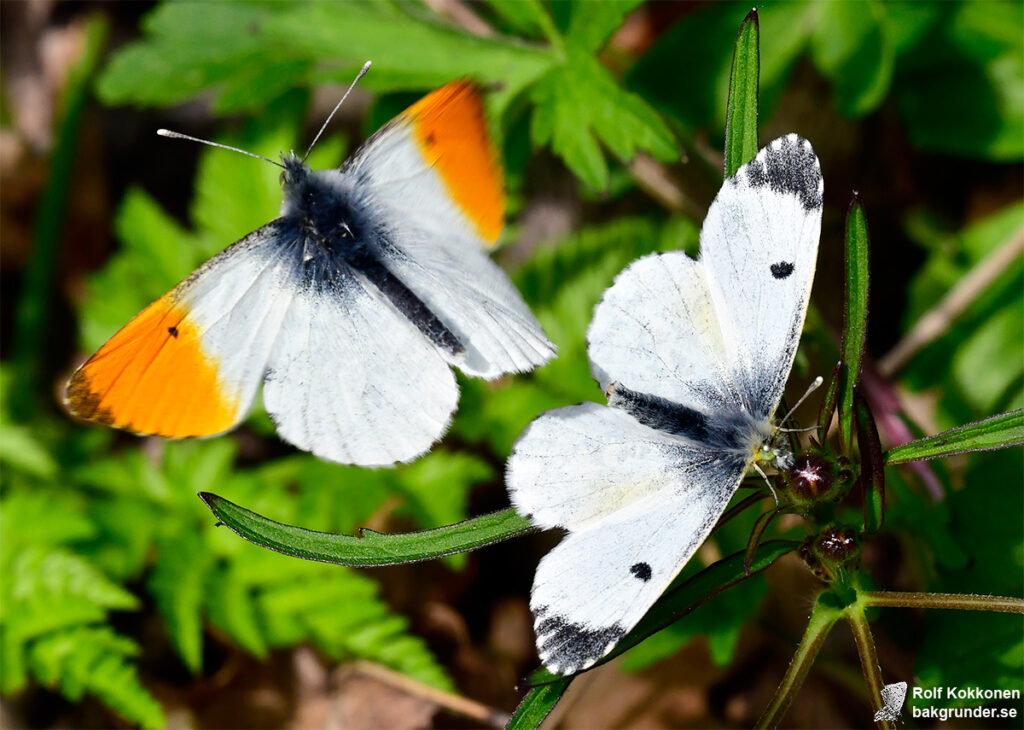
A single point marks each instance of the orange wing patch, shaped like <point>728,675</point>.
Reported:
<point>450,129</point>
<point>153,377</point>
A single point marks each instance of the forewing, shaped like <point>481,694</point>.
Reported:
<point>352,380</point>
<point>190,363</point>
<point>435,163</point>
<point>432,177</point>
<point>653,500</point>
<point>759,245</point>
<point>656,331</point>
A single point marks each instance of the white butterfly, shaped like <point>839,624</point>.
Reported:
<point>351,306</point>
<point>694,356</point>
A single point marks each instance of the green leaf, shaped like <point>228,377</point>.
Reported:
<point>536,705</point>
<point>528,17</point>
<point>851,48</point>
<point>437,486</point>
<point>828,403</point>
<point>594,21</point>
<point>997,432</point>
<point>872,465</point>
<point>421,53</point>
<point>369,548</point>
<point>721,619</point>
<point>21,450</point>
<point>579,105</point>
<point>959,92</point>
<point>192,48</point>
<point>741,111</point>
<point>178,585</point>
<point>92,660</point>
<point>686,73</point>
<point>855,317</point>
<point>189,48</point>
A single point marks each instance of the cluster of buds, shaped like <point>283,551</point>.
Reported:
<point>831,551</point>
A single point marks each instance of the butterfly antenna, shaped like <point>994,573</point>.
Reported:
<point>179,135</point>
<point>362,72</point>
<point>810,389</point>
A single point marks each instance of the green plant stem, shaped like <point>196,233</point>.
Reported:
<point>868,658</point>
<point>32,313</point>
<point>823,617</point>
<point>957,601</point>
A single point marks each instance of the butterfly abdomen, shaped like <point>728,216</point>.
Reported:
<point>731,431</point>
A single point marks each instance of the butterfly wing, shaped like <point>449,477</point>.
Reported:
<point>637,503</point>
<point>656,331</point>
<point>351,379</point>
<point>759,246</point>
<point>433,176</point>
<point>190,363</point>
<point>722,330</point>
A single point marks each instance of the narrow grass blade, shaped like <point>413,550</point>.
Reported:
<point>685,595</point>
<point>997,432</point>
<point>828,403</point>
<point>872,464</point>
<point>368,548</point>
<point>539,701</point>
<point>741,113</point>
<point>855,323</point>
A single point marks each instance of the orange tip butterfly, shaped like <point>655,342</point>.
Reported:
<point>350,307</point>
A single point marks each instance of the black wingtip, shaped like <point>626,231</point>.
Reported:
<point>788,165</point>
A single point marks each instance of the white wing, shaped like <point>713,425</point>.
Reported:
<point>759,246</point>
<point>655,330</point>
<point>637,502</point>
<point>431,175</point>
<point>475,299</point>
<point>352,380</point>
<point>722,330</point>
<point>190,363</point>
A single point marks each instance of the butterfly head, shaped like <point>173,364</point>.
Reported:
<point>295,171</point>
<point>774,451</point>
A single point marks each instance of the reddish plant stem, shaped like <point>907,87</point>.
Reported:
<point>958,601</point>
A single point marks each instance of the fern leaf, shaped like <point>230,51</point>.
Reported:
<point>92,661</point>
<point>177,584</point>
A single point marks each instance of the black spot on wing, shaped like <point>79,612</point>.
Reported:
<point>172,331</point>
<point>782,269</point>
<point>642,571</point>
<point>567,647</point>
<point>788,166</point>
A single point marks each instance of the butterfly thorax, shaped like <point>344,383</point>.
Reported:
<point>323,205</point>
